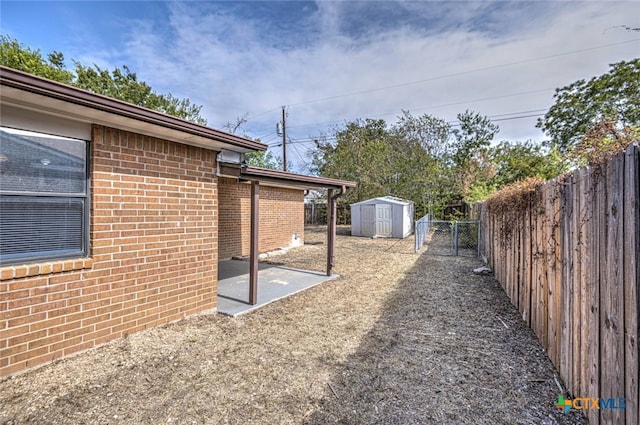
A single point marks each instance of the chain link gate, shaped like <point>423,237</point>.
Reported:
<point>457,238</point>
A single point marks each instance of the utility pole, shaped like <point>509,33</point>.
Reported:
<point>284,140</point>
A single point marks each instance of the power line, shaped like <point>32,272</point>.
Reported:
<point>461,73</point>
<point>270,133</point>
<point>443,77</point>
<point>517,118</point>
<point>521,112</point>
<point>456,74</point>
<point>493,118</point>
<point>299,155</point>
<point>272,138</point>
<point>439,106</point>
<point>456,123</point>
<point>262,113</point>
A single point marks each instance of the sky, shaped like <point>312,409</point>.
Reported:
<point>332,62</point>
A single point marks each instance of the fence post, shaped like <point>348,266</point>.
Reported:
<point>479,237</point>
<point>420,233</point>
<point>455,238</point>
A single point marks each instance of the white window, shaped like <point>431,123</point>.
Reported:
<point>44,202</point>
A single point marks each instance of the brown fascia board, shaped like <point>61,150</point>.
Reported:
<point>283,178</point>
<point>23,81</point>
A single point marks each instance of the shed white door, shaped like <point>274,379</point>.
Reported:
<point>383,221</point>
<point>368,220</point>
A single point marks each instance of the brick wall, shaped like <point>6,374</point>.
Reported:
<point>281,216</point>
<point>153,259</point>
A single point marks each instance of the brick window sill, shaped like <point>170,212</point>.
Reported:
<point>42,269</point>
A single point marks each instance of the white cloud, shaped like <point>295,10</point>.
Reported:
<point>234,64</point>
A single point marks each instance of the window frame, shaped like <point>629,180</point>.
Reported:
<point>85,225</point>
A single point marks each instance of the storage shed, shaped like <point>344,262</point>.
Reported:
<point>384,217</point>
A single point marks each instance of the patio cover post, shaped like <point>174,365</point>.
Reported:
<point>331,231</point>
<point>253,256</point>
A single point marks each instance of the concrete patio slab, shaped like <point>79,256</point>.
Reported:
<point>274,283</point>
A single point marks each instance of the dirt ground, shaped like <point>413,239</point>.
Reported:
<point>400,338</point>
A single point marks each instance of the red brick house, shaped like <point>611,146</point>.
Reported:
<point>113,217</point>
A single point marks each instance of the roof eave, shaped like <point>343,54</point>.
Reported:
<point>105,110</point>
<point>286,179</point>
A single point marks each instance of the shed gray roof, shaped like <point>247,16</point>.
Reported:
<point>385,199</point>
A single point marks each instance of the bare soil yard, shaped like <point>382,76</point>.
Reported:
<point>399,339</point>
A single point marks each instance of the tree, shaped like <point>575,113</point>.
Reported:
<point>420,158</point>
<point>361,153</point>
<point>474,135</point>
<point>513,162</point>
<point>602,141</point>
<point>20,57</point>
<point>431,133</point>
<point>583,106</point>
<point>233,127</point>
<point>470,156</point>
<point>263,159</point>
<point>120,83</point>
<point>422,146</point>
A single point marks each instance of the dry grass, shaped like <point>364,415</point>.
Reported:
<point>399,339</point>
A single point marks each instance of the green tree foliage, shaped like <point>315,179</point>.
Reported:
<point>421,158</point>
<point>470,154</point>
<point>513,162</point>
<point>120,83</point>
<point>473,137</point>
<point>263,159</point>
<point>430,133</point>
<point>361,153</point>
<point>20,57</point>
<point>424,159</point>
<point>421,162</point>
<point>608,101</point>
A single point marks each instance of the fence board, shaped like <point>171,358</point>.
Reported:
<point>525,303</point>
<point>558,261</point>
<point>538,281</point>
<point>509,267</point>
<point>316,214</point>
<point>572,269</point>
<point>631,283</point>
<point>612,313</point>
<point>576,292</point>
<point>543,306</point>
<point>517,252</point>
<point>534,273</point>
<point>598,230</point>
<point>513,264</point>
<point>553,316</point>
<point>584,237</point>
<point>566,322</point>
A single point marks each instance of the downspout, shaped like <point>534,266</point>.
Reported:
<point>331,227</point>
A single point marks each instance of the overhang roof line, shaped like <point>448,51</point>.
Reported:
<point>43,87</point>
<point>285,178</point>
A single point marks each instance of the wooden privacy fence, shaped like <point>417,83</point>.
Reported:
<point>567,254</point>
<point>317,214</point>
